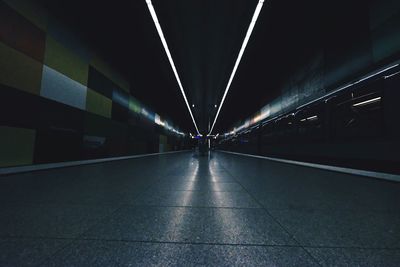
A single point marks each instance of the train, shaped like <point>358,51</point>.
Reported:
<point>355,125</point>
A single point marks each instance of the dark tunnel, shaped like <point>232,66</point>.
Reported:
<point>199,133</point>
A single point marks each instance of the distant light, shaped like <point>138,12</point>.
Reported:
<point>367,102</point>
<point>215,106</point>
<point>158,121</point>
<point>246,40</point>
<point>171,61</point>
<point>192,105</point>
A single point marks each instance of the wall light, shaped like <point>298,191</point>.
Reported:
<point>367,102</point>
<point>312,118</point>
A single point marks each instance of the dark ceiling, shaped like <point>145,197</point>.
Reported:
<point>204,38</point>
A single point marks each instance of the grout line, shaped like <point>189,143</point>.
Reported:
<point>203,182</point>
<point>49,166</point>
<point>370,174</point>
<point>74,240</point>
<point>195,207</point>
<point>194,243</point>
<point>276,220</point>
<point>52,204</point>
<point>200,191</point>
<point>45,259</point>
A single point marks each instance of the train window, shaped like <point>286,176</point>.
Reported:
<point>359,113</point>
<point>311,122</point>
<point>267,132</point>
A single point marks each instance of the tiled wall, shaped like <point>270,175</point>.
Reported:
<point>59,101</point>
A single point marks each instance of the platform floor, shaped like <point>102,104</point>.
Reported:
<point>185,210</point>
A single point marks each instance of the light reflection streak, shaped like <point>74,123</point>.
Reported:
<point>229,224</point>
<point>177,220</point>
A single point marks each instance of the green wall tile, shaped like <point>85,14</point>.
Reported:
<point>19,71</point>
<point>98,104</point>
<point>65,61</point>
<point>16,146</point>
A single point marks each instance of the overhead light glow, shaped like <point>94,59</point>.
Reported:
<point>246,40</point>
<point>164,42</point>
<point>367,102</point>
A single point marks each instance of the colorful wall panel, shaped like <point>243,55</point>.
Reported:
<point>111,74</point>
<point>98,104</point>
<point>31,11</point>
<point>17,146</point>
<point>60,88</point>
<point>18,32</point>
<point>120,107</point>
<point>98,82</point>
<point>66,36</point>
<point>61,102</point>
<point>65,61</point>
<point>19,71</point>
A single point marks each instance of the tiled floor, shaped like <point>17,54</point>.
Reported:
<point>184,210</point>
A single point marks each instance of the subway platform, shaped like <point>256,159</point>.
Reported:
<point>183,209</point>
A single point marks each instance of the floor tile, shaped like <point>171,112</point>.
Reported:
<point>49,220</point>
<point>28,252</point>
<point>180,209</point>
<point>196,186</point>
<point>356,257</point>
<point>341,228</point>
<point>200,178</point>
<point>197,199</point>
<point>304,200</point>
<point>101,253</point>
<point>195,225</point>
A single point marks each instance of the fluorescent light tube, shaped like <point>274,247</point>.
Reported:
<point>171,61</point>
<point>246,40</point>
<point>367,102</point>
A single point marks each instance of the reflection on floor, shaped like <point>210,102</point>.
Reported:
<point>182,209</point>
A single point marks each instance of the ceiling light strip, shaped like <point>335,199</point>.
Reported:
<point>164,42</point>
<point>241,52</point>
